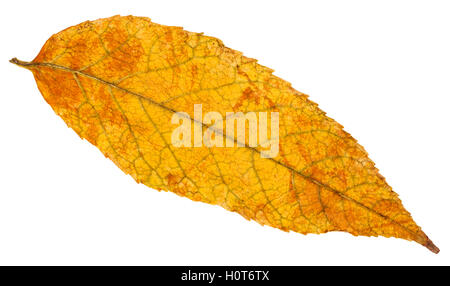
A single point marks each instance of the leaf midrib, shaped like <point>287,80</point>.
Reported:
<point>419,237</point>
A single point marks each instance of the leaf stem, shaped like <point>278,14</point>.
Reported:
<point>20,63</point>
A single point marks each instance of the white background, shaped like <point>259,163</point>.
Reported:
<point>380,68</point>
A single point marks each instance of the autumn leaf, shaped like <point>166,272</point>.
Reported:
<point>119,81</point>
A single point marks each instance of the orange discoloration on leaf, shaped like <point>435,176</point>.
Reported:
<point>118,81</point>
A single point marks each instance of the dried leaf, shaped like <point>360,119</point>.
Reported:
<point>118,81</point>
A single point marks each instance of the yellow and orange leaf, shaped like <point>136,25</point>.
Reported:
<point>118,81</point>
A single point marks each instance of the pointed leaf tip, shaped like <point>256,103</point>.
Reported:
<point>431,246</point>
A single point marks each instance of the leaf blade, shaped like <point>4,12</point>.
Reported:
<point>107,99</point>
